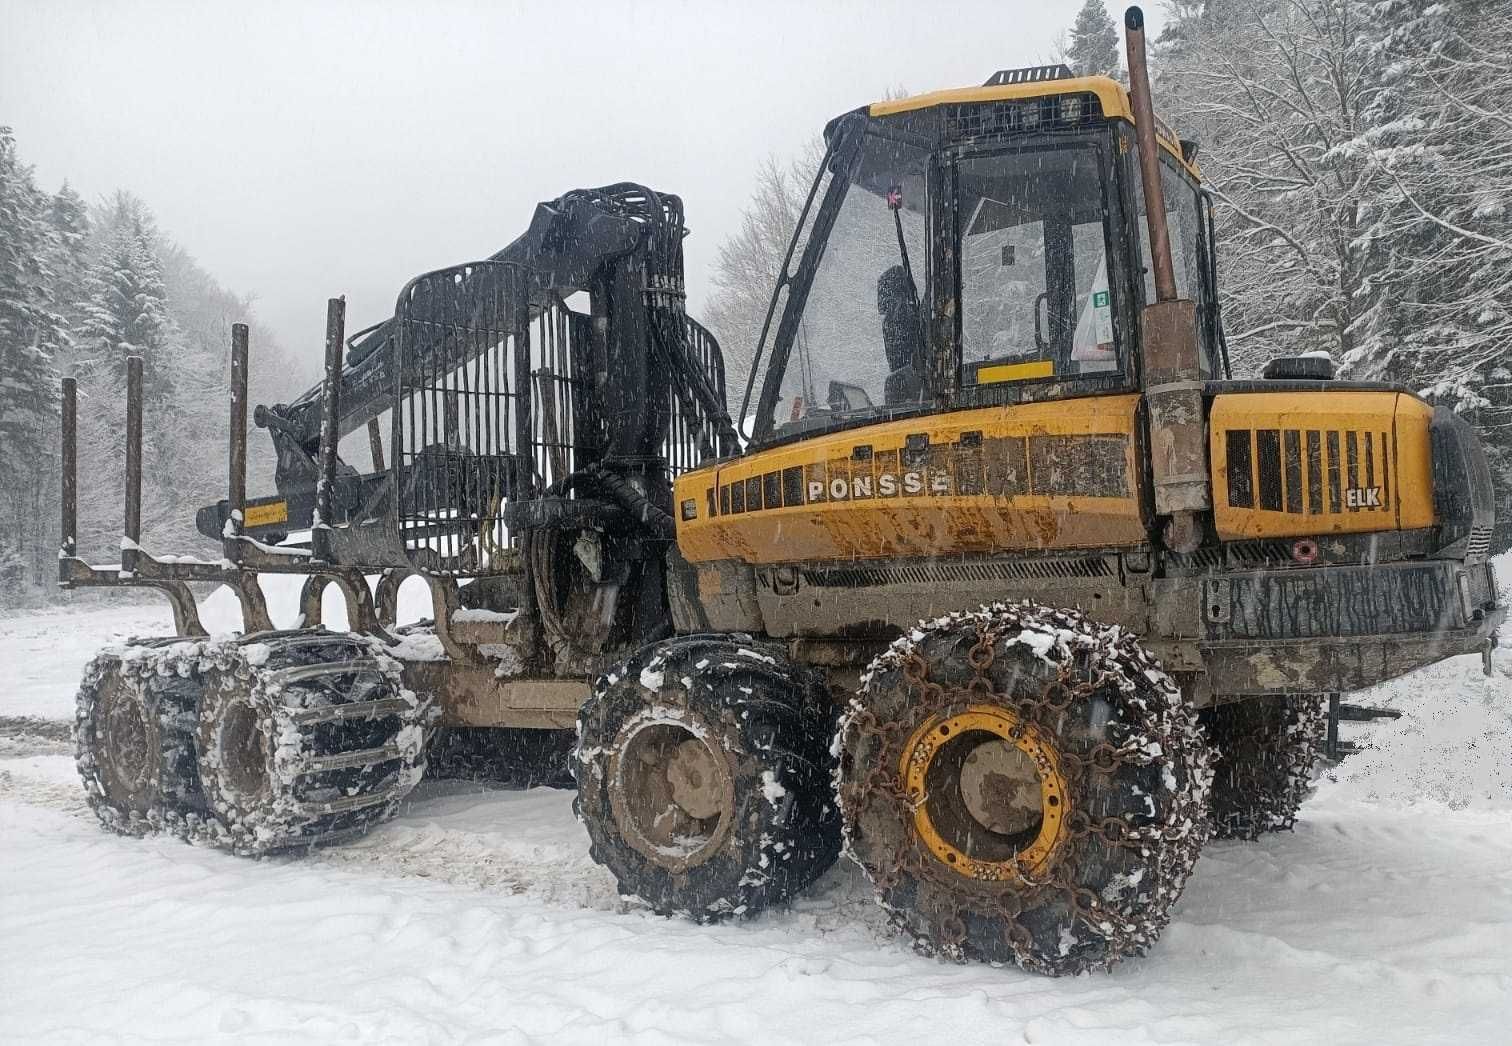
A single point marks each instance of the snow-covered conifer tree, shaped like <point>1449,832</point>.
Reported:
<point>31,337</point>
<point>1094,47</point>
<point>124,309</point>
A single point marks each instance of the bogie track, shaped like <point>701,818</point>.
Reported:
<point>134,729</point>
<point>306,737</point>
<point>258,744</point>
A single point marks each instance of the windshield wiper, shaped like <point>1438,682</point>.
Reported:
<point>895,204</point>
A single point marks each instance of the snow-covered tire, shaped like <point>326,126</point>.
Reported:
<point>134,729</point>
<point>703,776</point>
<point>305,737</point>
<point>519,757</point>
<point>1023,785</point>
<point>1267,749</point>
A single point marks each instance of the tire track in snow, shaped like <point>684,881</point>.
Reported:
<point>32,735</point>
<point>495,840</point>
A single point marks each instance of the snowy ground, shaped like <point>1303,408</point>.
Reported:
<point>1385,917</point>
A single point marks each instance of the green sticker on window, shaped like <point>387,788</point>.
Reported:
<point>1100,299</point>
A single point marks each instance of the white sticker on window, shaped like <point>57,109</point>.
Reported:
<point>1093,341</point>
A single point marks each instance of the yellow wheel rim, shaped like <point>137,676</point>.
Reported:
<point>948,822</point>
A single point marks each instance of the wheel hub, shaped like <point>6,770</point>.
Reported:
<point>125,739</point>
<point>672,794</point>
<point>693,777</point>
<point>1000,786</point>
<point>244,749</point>
<point>990,798</point>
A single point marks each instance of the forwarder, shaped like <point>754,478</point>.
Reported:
<point>1002,581</point>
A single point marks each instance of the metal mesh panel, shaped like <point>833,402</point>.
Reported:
<point>560,348</point>
<point>460,412</point>
<point>988,121</point>
<point>691,434</point>
<point>494,402</point>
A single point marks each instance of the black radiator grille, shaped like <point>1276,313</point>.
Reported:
<point>1289,470</point>
<point>933,573</point>
<point>1260,553</point>
<point>1478,548</point>
<point>1238,554</point>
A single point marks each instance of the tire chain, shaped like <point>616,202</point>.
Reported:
<point>146,660</point>
<point>1277,768</point>
<point>1185,826</point>
<point>185,658</point>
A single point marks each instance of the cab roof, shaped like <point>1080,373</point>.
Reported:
<point>1040,82</point>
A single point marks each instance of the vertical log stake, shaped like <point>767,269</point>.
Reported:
<point>69,495</point>
<point>132,535</point>
<point>330,432</point>
<point>236,497</point>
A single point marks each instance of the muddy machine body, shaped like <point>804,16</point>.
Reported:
<point>1003,584</point>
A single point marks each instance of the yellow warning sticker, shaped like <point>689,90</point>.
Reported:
<point>263,515</point>
<point>1016,372</point>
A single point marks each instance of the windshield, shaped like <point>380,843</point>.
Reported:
<point>1031,229</point>
<point>1034,266</point>
<point>857,348</point>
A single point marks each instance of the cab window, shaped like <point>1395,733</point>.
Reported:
<point>1183,218</point>
<point>1035,299</point>
<point>858,350</point>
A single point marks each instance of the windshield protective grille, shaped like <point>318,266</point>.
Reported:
<point>995,121</point>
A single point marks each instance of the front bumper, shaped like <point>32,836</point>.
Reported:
<point>1334,629</point>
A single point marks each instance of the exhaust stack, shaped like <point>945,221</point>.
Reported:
<point>1171,356</point>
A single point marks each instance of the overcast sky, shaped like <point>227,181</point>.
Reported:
<point>304,150</point>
